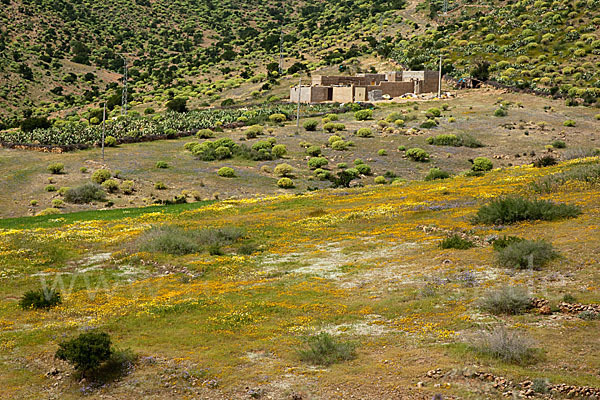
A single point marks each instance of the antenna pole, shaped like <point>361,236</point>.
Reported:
<point>103,129</point>
<point>440,79</point>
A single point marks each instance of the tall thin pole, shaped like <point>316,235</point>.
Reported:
<point>440,79</point>
<point>103,129</point>
<point>124,95</point>
<point>298,109</point>
<point>281,51</point>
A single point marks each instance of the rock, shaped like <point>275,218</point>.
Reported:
<point>545,310</point>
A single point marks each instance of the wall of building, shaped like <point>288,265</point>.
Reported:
<point>343,94</point>
<point>432,79</point>
<point>395,89</point>
<point>309,94</point>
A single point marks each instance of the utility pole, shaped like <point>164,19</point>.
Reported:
<point>445,7</point>
<point>440,79</point>
<point>103,129</point>
<point>281,52</point>
<point>124,95</point>
<point>298,109</point>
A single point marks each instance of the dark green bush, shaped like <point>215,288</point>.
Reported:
<point>178,105</point>
<point>317,162</point>
<point>525,254</point>
<point>508,210</point>
<point>559,144</point>
<point>313,151</point>
<point>456,242</point>
<point>324,349</point>
<point>40,299</point>
<point>56,168</point>
<point>417,154</point>
<point>481,164</point>
<point>506,300</point>
<point>505,241</point>
<point>310,125</point>
<point>174,240</point>
<point>436,173</point>
<point>545,161</point>
<point>85,193</point>
<point>87,351</point>
<point>100,176</point>
<point>363,115</point>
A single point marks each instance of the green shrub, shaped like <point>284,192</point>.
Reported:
<point>559,144</point>
<point>433,112</point>
<point>339,145</point>
<point>226,172</point>
<point>329,127</point>
<point>417,154</point>
<point>317,162</point>
<point>283,170</point>
<point>33,203</point>
<point>582,173</point>
<point>364,132</point>
<point>50,188</point>
<point>358,161</point>
<point>381,152</point>
<point>110,141</point>
<point>174,240</point>
<point>110,185</point>
<point>279,150</point>
<point>508,346</point>
<point>436,173</point>
<point>444,140</point>
<point>40,299</point>
<point>339,127</point>
<point>222,153</point>
<point>401,148</point>
<point>48,211</point>
<point>506,300</point>
<point>83,170</point>
<point>277,118</point>
<point>500,112</point>
<point>253,131</point>
<point>363,169</point>
<point>205,134</point>
<point>545,161</point>
<point>63,190</point>
<point>569,123</point>
<point>456,242</point>
<point>190,145</point>
<point>324,349</point>
<point>467,140</point>
<point>332,117</point>
<point>57,203</point>
<point>85,193</point>
<point>380,180</point>
<point>589,315</point>
<point>56,168</point>
<point>160,186</point>
<point>127,187</point>
<point>100,176</point>
<point>399,122</point>
<point>540,386</point>
<point>395,116</point>
<point>430,123</point>
<point>161,164</point>
<point>87,351</point>
<point>285,183</point>
<point>313,151</point>
<point>310,125</point>
<point>508,210</point>
<point>363,115</point>
<point>597,116</point>
<point>322,174</point>
<point>532,254</point>
<point>482,164</point>
<point>505,241</point>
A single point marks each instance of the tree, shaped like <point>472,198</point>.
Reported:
<point>31,123</point>
<point>178,104</point>
<point>87,351</point>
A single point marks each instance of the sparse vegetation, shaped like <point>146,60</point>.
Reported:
<point>40,299</point>
<point>324,349</point>
<point>456,242</point>
<point>508,210</point>
<point>509,346</point>
<point>506,300</point>
<point>526,254</point>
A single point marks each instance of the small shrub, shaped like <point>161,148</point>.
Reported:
<point>226,172</point>
<point>222,152</point>
<point>589,315</point>
<point>339,127</point>
<point>505,241</point>
<point>506,300</point>
<point>545,161</point>
<point>444,140</point>
<point>399,122</point>
<point>285,183</point>
<point>329,127</point>
<point>332,117</point>
<point>283,170</point>
<point>339,145</point>
<point>313,151</point>
<point>253,131</point>
<point>532,254</point>
<point>174,240</point>
<point>160,186</point>
<point>430,123</point>
<point>364,132</point>
<point>382,152</point>
<point>87,351</point>
<point>380,180</point>
<point>161,164</point>
<point>279,150</point>
<point>33,203</point>
<point>433,112</point>
<point>363,115</point>
<point>277,118</point>
<point>317,162</point>
<point>110,141</point>
<point>48,211</point>
<point>100,176</point>
<point>205,134</point>
<point>363,169</point>
<point>482,164</point>
<point>63,190</point>
<point>456,242</point>
<point>559,144</point>
<point>127,187</point>
<point>417,154</point>
<point>56,168</point>
<point>508,210</point>
<point>57,203</point>
<point>324,349</point>
<point>569,123</point>
<point>436,173</point>
<point>540,386</point>
<point>86,193</point>
<point>50,188</point>
<point>500,112</point>
<point>110,185</point>
<point>83,170</point>
<point>508,346</point>
<point>310,125</point>
<point>40,299</point>
<point>401,148</point>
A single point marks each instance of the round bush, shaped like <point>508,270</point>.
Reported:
<point>279,150</point>
<point>339,145</point>
<point>430,123</point>
<point>382,152</point>
<point>283,170</point>
<point>277,118</point>
<point>50,188</point>
<point>285,183</point>
<point>56,168</point>
<point>110,141</point>
<point>222,152</point>
<point>127,187</point>
<point>85,194</point>
<point>100,176</point>
<point>569,123</point>
<point>161,164</point>
<point>380,180</point>
<point>226,172</point>
<point>417,154</point>
<point>364,132</point>
<point>500,112</point>
<point>40,299</point>
<point>329,127</point>
<point>482,164</point>
<point>310,125</point>
<point>254,131</point>
<point>48,211</point>
<point>110,185</point>
<point>363,115</point>
<point>205,134</point>
<point>436,173</point>
<point>313,151</point>
<point>332,117</point>
<point>433,112</point>
<point>87,351</point>
<point>317,162</point>
<point>399,122</point>
<point>363,169</point>
<point>160,186</point>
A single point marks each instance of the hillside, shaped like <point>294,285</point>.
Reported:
<point>362,264</point>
